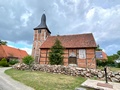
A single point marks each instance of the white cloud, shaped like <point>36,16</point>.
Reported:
<point>59,11</point>
<point>63,16</point>
<point>90,14</point>
<point>25,18</point>
<point>28,50</point>
<point>112,48</point>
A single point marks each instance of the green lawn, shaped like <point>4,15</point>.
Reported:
<point>46,81</point>
<point>111,68</point>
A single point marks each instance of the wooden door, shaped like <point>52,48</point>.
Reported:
<point>72,60</point>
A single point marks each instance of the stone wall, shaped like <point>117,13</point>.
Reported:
<point>70,70</point>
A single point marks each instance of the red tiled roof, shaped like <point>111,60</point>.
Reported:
<point>104,55</point>
<point>6,51</point>
<point>101,55</point>
<point>71,41</point>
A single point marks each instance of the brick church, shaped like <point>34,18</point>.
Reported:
<point>79,48</point>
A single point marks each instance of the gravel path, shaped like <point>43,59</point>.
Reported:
<point>7,83</point>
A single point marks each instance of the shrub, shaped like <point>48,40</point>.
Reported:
<point>13,61</point>
<point>101,63</point>
<point>28,60</point>
<point>118,65</point>
<point>4,63</point>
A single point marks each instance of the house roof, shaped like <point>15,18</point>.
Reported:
<point>6,51</point>
<point>71,41</point>
<point>101,55</point>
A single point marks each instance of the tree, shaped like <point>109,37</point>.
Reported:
<point>118,52</point>
<point>98,48</point>
<point>56,53</point>
<point>3,42</point>
<point>28,60</point>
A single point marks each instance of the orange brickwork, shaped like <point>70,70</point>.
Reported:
<point>89,62</point>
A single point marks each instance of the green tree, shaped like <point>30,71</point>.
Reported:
<point>98,48</point>
<point>28,60</point>
<point>118,52</point>
<point>115,56</point>
<point>3,42</point>
<point>56,53</point>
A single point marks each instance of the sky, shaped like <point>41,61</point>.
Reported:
<point>63,17</point>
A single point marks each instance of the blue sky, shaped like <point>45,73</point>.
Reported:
<point>100,17</point>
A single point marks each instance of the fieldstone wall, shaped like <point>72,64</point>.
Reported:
<point>71,70</point>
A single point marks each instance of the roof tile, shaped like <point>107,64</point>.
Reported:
<point>6,51</point>
<point>71,41</point>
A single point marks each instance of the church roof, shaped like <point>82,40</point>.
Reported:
<point>71,41</point>
<point>42,25</point>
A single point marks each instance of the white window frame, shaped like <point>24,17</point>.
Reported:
<point>82,53</point>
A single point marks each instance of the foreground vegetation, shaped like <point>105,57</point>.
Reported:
<point>114,69</point>
<point>46,81</point>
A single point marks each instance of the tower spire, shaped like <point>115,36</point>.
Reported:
<point>43,24</point>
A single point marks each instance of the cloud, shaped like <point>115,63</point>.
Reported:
<point>112,48</point>
<point>19,17</point>
<point>25,18</point>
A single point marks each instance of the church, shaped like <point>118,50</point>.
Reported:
<point>79,48</point>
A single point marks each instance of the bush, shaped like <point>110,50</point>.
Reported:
<point>105,63</point>
<point>28,60</point>
<point>118,65</point>
<point>4,63</point>
<point>13,61</point>
<point>101,63</point>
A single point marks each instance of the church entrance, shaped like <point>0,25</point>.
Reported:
<point>72,59</point>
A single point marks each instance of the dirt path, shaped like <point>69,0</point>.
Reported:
<point>7,83</point>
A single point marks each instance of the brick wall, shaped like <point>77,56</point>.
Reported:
<point>89,62</point>
<point>39,38</point>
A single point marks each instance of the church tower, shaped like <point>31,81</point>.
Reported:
<point>41,32</point>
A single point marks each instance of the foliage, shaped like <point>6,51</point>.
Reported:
<point>118,52</point>
<point>98,48</point>
<point>42,80</point>
<point>13,61</point>
<point>101,63</point>
<point>4,63</point>
<point>117,65</point>
<point>56,53</point>
<point>110,61</point>
<point>3,42</point>
<point>28,60</point>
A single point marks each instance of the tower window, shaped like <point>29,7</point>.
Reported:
<point>39,31</point>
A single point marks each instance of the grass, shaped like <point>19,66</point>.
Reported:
<point>46,81</point>
<point>111,68</point>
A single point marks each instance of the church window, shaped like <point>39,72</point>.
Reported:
<point>82,54</point>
